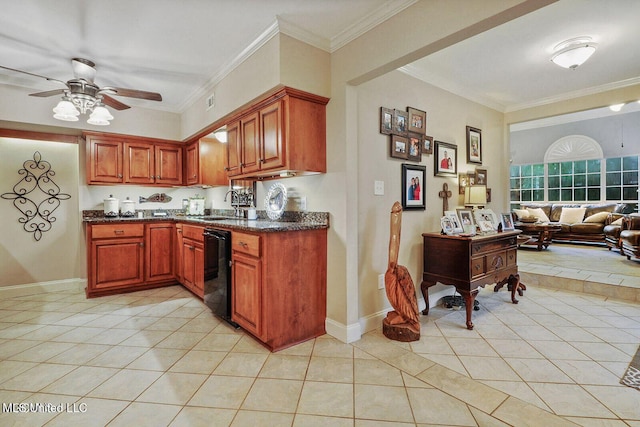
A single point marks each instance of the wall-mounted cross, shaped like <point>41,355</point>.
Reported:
<point>444,195</point>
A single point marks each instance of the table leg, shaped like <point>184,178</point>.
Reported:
<point>469,298</point>
<point>424,287</point>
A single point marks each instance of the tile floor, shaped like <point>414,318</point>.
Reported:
<point>159,358</point>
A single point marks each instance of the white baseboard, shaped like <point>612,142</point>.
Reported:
<point>39,287</point>
<point>342,332</point>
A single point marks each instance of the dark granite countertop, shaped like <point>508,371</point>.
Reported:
<point>294,221</point>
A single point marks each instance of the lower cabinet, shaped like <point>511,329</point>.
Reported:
<point>192,259</point>
<point>279,285</point>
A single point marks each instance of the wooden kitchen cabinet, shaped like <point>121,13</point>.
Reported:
<point>159,251</point>
<point>131,160</point>
<point>279,285</point>
<point>192,259</point>
<point>205,163</point>
<point>285,132</point>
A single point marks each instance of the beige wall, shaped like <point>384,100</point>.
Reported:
<point>59,255</point>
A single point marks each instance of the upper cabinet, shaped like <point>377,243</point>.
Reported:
<point>115,159</point>
<point>284,133</point>
<point>204,163</point>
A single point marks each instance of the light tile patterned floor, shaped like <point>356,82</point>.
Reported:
<point>159,358</point>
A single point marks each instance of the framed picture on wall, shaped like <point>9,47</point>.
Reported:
<point>399,147</point>
<point>481,177</point>
<point>415,149</point>
<point>427,145</point>
<point>386,120</point>
<point>417,121</point>
<point>413,186</point>
<point>400,119</point>
<point>446,158</point>
<point>474,145</point>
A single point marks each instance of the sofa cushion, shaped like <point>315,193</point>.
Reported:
<point>521,213</point>
<point>572,215</point>
<point>617,221</point>
<point>586,228</point>
<point>538,213</point>
<point>557,208</point>
<point>599,217</point>
<point>600,207</point>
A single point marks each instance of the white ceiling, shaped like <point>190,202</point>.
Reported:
<point>179,48</point>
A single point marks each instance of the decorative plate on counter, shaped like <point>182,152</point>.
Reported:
<point>276,201</point>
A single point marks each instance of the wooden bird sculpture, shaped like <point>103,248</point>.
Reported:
<point>403,323</point>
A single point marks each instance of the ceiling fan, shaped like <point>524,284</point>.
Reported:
<point>82,95</point>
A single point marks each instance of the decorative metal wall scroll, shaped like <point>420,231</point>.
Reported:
<point>37,211</point>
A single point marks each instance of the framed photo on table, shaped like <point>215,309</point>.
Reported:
<point>446,159</point>
<point>466,221</point>
<point>413,186</point>
<point>455,221</point>
<point>507,221</point>
<point>417,121</point>
<point>474,145</point>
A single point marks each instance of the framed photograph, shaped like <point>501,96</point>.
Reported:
<point>417,121</point>
<point>474,145</point>
<point>399,147</point>
<point>487,215</point>
<point>386,120</point>
<point>507,221</point>
<point>466,221</point>
<point>463,181</point>
<point>488,195</point>
<point>427,145</point>
<point>455,221</point>
<point>471,178</point>
<point>481,177</point>
<point>446,156</point>
<point>447,226</point>
<point>486,226</point>
<point>413,186</point>
<point>415,149</point>
<point>400,119</point>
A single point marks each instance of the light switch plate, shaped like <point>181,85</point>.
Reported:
<point>380,281</point>
<point>378,188</point>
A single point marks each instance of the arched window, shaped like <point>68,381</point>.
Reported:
<point>573,147</point>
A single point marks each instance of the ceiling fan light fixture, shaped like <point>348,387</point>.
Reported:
<point>573,52</point>
<point>66,111</point>
<point>100,116</point>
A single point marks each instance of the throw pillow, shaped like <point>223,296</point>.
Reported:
<point>600,217</point>
<point>617,222</point>
<point>572,215</point>
<point>538,213</point>
<point>522,213</point>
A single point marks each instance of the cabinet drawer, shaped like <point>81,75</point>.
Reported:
<point>246,243</point>
<point>104,231</point>
<point>193,232</point>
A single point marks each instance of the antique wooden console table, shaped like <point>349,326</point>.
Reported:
<point>468,263</point>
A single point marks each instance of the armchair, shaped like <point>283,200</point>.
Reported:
<point>630,236</point>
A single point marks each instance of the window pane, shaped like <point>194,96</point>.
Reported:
<point>580,166</point>
<point>538,195</point>
<point>580,180</point>
<point>554,195</point>
<point>613,164</point>
<point>579,194</point>
<point>514,183</point>
<point>566,167</point>
<point>515,196</point>
<point>526,183</point>
<point>526,195</point>
<point>614,179</point>
<point>593,179</point>
<point>567,181</point>
<point>593,165</point>
<point>538,182</point>
<point>538,170</point>
<point>614,193</point>
<point>593,194</point>
<point>525,170</point>
<point>630,193</point>
<point>630,178</point>
<point>553,168</point>
<point>566,195</point>
<point>630,163</point>
<point>514,171</point>
<point>554,181</point>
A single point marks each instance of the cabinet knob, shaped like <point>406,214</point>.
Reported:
<point>192,248</point>
<point>262,160</point>
<point>119,175</point>
<point>142,244</point>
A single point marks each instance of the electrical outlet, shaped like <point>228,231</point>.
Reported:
<point>378,188</point>
<point>303,203</point>
<point>380,281</point>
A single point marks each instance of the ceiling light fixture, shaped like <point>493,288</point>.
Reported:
<point>82,98</point>
<point>573,52</point>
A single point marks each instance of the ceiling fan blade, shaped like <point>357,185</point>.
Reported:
<point>113,103</point>
<point>133,93</point>
<point>34,75</point>
<point>48,93</point>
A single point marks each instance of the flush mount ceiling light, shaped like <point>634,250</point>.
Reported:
<point>573,52</point>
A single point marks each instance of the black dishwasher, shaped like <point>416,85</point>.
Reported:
<point>217,273</point>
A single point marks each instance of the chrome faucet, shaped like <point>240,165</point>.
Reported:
<point>236,209</point>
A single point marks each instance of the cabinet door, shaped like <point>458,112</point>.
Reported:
<point>193,266</point>
<point>178,264</point>
<point>168,164</point>
<point>247,293</point>
<point>138,163</point>
<point>250,136</point>
<point>192,160</point>
<point>117,262</point>
<point>159,249</point>
<point>271,129</point>
<point>233,149</point>
<point>104,160</point>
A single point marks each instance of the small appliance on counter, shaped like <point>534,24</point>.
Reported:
<point>128,208</point>
<point>111,206</point>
